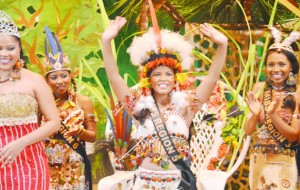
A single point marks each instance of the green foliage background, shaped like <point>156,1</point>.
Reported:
<point>79,24</point>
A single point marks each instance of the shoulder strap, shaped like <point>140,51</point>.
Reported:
<point>170,149</point>
<point>79,148</point>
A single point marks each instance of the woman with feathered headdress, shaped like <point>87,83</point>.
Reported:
<point>272,161</point>
<point>161,57</point>
<point>67,158</point>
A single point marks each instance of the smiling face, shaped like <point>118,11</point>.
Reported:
<point>162,80</point>
<point>59,81</point>
<point>278,68</point>
<point>9,52</point>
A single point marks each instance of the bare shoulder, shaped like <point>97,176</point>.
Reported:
<point>35,81</point>
<point>84,101</point>
<point>32,76</point>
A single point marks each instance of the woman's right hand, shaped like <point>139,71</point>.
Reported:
<point>9,153</point>
<point>113,28</point>
<point>253,104</point>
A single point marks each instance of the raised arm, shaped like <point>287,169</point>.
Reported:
<point>207,85</point>
<point>254,106</point>
<point>119,86</point>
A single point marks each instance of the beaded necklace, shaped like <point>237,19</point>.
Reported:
<point>279,88</point>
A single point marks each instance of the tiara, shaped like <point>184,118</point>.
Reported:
<point>286,43</point>
<point>54,60</point>
<point>7,25</point>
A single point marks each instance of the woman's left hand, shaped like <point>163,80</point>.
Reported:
<point>215,35</point>
<point>9,152</point>
<point>73,131</point>
<point>274,104</point>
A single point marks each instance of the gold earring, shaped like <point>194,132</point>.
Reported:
<point>19,64</point>
<point>15,74</point>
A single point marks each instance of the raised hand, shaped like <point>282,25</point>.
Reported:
<point>113,28</point>
<point>215,35</point>
<point>253,104</point>
<point>275,103</point>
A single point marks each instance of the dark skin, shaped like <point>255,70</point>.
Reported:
<point>278,68</point>
<point>30,84</point>
<point>60,81</point>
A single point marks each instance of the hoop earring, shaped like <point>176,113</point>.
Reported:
<point>291,80</point>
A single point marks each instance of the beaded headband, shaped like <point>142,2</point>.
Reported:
<point>54,60</point>
<point>286,43</point>
<point>7,25</point>
<point>155,48</point>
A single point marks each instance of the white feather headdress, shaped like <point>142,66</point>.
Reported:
<point>286,43</point>
<point>171,43</point>
<point>157,47</point>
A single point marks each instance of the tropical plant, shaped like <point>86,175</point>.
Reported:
<point>219,11</point>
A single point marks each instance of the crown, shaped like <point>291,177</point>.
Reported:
<point>145,52</point>
<point>54,60</point>
<point>7,25</point>
<point>286,43</point>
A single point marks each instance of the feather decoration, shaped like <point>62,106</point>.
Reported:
<point>111,124</point>
<point>294,36</point>
<point>276,34</point>
<point>121,125</point>
<point>155,24</point>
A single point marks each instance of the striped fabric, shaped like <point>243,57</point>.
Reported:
<point>30,169</point>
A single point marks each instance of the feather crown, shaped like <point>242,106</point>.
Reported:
<point>155,48</point>
<point>286,43</point>
<point>55,60</point>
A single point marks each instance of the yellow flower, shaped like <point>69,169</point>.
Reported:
<point>181,78</point>
<point>144,83</point>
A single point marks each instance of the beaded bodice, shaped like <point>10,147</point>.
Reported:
<point>17,108</point>
<point>149,143</point>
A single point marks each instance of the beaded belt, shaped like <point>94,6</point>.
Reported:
<point>272,149</point>
<point>149,179</point>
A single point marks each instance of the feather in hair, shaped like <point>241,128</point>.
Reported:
<point>276,34</point>
<point>294,36</point>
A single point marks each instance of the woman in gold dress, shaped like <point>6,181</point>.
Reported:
<point>23,96</point>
